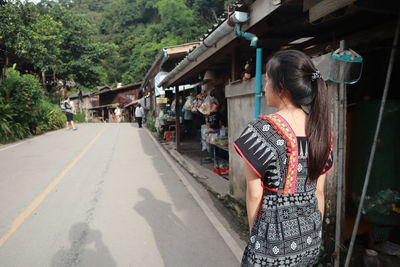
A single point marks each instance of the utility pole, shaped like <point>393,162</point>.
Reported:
<point>177,120</point>
<point>340,197</point>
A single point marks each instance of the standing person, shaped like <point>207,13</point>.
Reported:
<point>139,114</point>
<point>117,112</point>
<point>289,152</point>
<point>68,107</point>
<point>187,121</point>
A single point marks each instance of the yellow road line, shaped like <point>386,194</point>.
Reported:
<point>39,199</point>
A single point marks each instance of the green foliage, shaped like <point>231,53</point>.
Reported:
<point>176,24</point>
<point>53,38</point>
<point>10,130</point>
<point>48,117</point>
<point>322,257</point>
<point>79,117</point>
<point>31,36</point>
<point>98,42</point>
<point>22,93</point>
<point>82,55</point>
<point>24,110</point>
<point>150,122</point>
<point>208,10</point>
<point>176,17</point>
<point>14,36</point>
<point>45,39</point>
<point>26,96</point>
<point>94,42</point>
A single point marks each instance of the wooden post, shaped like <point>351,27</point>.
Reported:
<point>329,223</point>
<point>335,180</point>
<point>177,120</point>
<point>341,166</point>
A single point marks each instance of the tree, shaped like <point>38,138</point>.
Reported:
<point>81,55</point>
<point>13,33</point>
<point>99,41</point>
<point>43,49</point>
<point>29,36</point>
<point>175,24</point>
<point>178,20</point>
<point>208,10</point>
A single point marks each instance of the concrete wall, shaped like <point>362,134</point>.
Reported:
<point>240,112</point>
<point>81,105</point>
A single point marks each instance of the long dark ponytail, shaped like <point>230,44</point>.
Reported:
<point>293,72</point>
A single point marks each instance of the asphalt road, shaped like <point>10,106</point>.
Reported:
<point>105,195</point>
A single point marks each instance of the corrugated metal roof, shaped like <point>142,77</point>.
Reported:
<point>138,84</point>
<point>183,48</point>
<point>170,50</point>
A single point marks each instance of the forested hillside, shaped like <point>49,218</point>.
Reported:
<point>97,42</point>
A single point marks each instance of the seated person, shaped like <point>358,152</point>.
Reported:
<point>248,70</point>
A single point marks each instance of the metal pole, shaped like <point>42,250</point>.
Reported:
<point>371,156</point>
<point>341,164</point>
<point>177,121</point>
<point>257,108</point>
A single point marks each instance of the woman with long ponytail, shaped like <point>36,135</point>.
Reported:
<point>288,154</point>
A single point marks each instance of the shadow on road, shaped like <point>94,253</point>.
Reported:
<point>186,240</point>
<point>135,124</point>
<point>80,253</point>
<point>168,229</point>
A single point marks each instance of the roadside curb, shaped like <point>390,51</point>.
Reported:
<point>26,139</point>
<point>213,182</point>
<point>235,244</point>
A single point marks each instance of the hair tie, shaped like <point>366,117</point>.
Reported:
<point>306,109</point>
<point>315,75</point>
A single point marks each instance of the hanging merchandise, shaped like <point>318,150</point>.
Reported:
<point>173,105</point>
<point>345,66</point>
<point>198,101</point>
<point>207,106</point>
<point>194,105</point>
<point>189,103</point>
<point>204,132</point>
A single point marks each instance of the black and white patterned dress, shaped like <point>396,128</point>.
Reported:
<point>287,230</point>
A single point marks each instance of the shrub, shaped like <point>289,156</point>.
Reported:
<point>48,117</point>
<point>24,110</point>
<point>79,117</point>
<point>9,129</point>
<point>24,93</point>
<point>150,122</point>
